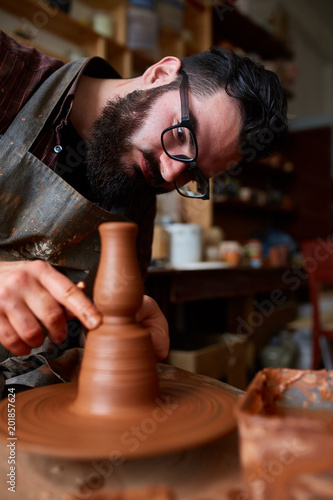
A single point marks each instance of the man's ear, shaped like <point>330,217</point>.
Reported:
<point>162,72</point>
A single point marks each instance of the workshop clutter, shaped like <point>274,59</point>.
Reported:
<point>226,357</point>
<point>178,244</point>
<point>286,440</point>
<point>136,24</point>
<point>142,25</point>
<point>231,252</point>
<point>145,19</point>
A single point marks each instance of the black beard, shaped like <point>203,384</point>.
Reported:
<point>114,183</point>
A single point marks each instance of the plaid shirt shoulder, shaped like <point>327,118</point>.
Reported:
<point>22,70</point>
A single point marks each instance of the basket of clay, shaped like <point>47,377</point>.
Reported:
<point>285,422</point>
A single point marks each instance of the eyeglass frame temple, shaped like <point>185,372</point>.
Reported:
<point>185,107</point>
<point>184,100</point>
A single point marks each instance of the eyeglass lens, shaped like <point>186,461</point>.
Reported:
<point>179,142</point>
<point>191,183</point>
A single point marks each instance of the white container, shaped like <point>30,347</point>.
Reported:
<point>102,23</point>
<point>185,243</point>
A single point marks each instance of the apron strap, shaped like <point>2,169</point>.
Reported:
<point>32,117</point>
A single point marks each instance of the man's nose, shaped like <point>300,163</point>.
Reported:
<point>170,168</point>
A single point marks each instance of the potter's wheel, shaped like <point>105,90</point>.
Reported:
<point>189,413</point>
<point>121,404</point>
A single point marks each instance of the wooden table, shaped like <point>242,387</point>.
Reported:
<point>239,286</point>
<point>177,285</point>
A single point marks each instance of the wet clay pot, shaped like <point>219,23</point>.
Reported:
<point>118,370</point>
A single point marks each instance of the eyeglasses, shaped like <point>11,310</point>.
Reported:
<point>179,143</point>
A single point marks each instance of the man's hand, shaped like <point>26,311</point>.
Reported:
<point>151,317</point>
<point>34,293</point>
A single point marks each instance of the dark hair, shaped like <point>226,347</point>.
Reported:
<point>259,92</point>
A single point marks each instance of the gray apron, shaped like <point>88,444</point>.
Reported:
<point>42,217</point>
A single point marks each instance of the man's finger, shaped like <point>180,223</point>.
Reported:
<point>70,296</point>
<point>10,340</point>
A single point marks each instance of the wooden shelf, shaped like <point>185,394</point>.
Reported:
<point>244,33</point>
<point>40,13</point>
<point>237,204</point>
<point>265,170</point>
<point>171,42</point>
<point>102,4</point>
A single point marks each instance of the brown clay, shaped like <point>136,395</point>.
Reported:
<point>118,370</point>
<point>120,404</point>
<point>160,493</point>
<point>285,428</point>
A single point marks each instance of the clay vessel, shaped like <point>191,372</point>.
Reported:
<point>118,371</point>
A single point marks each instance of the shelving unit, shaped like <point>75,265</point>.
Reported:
<point>307,187</point>
<point>244,33</point>
<point>255,208</point>
<point>268,202</point>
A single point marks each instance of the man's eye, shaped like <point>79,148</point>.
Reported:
<point>181,136</point>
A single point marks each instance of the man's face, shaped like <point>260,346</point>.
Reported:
<point>125,156</point>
